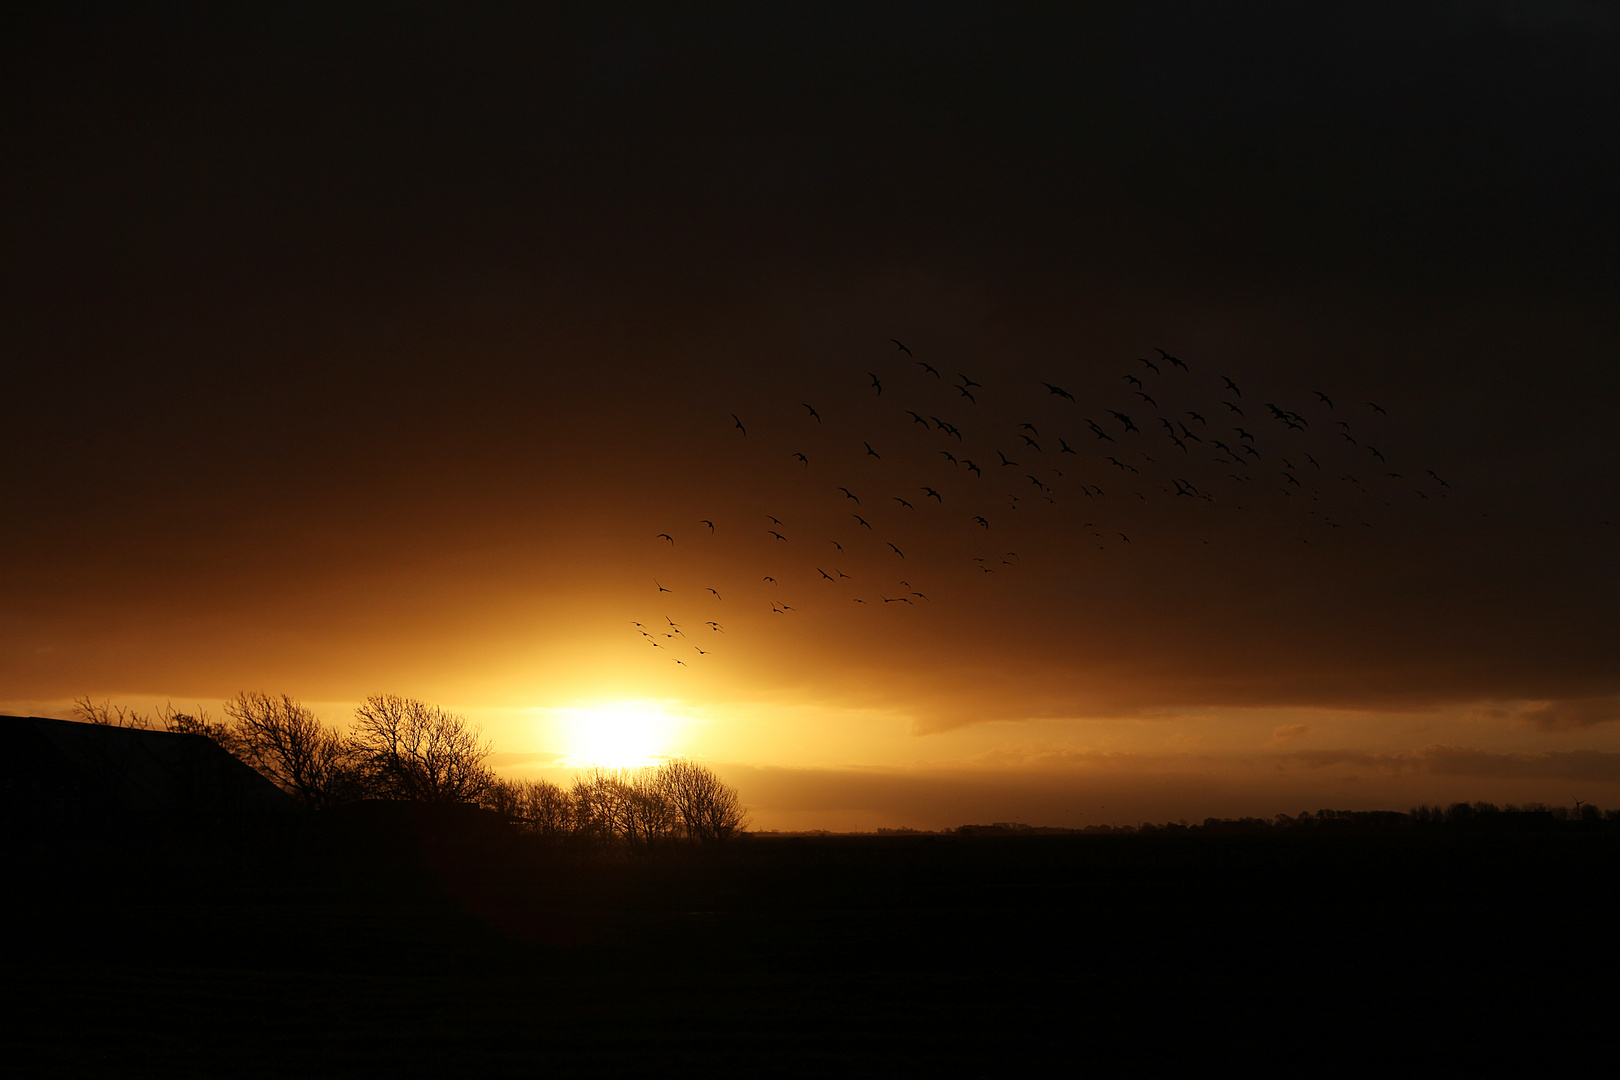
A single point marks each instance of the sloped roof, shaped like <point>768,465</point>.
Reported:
<point>60,768</point>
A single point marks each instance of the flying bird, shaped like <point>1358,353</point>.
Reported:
<point>1166,356</point>
<point>813,413</point>
<point>1324,397</point>
<point>898,552</point>
<point>850,494</point>
<point>661,588</point>
<point>862,520</point>
<point>666,536</point>
<point>1150,364</point>
<point>740,425</point>
<point>778,535</point>
<point>707,522</point>
<point>1058,390</point>
<point>871,451</point>
<point>903,503</point>
<point>803,459</point>
<point>901,347</point>
<point>928,368</point>
<point>1232,386</point>
<point>875,383</point>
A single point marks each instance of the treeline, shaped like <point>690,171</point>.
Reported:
<point>1475,815</point>
<point>407,750</point>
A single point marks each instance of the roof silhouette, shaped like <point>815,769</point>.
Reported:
<point>63,769</point>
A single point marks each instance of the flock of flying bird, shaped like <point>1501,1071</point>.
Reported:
<point>929,478</point>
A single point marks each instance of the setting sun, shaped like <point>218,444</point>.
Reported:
<point>619,736</point>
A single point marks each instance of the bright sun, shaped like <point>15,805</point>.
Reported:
<point>621,736</point>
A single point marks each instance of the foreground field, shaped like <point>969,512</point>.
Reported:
<point>381,953</point>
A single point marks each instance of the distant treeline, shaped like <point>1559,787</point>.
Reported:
<point>1475,815</point>
<point>405,750</point>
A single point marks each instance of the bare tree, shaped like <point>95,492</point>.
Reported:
<point>538,806</point>
<point>408,749</point>
<point>594,804</point>
<point>628,805</point>
<point>200,723</point>
<point>107,714</point>
<point>708,809</point>
<point>284,741</point>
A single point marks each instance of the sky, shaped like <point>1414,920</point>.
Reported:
<point>415,349</point>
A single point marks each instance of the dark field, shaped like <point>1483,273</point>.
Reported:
<point>377,949</point>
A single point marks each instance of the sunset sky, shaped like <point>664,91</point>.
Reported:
<point>371,348</point>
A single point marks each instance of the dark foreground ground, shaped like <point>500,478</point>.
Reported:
<point>343,948</point>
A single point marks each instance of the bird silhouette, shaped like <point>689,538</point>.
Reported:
<point>706,521</point>
<point>928,368</point>
<point>902,347</point>
<point>850,494</point>
<point>1232,386</point>
<point>740,425</point>
<point>666,536</point>
<point>871,451</point>
<point>898,552</point>
<point>814,413</point>
<point>877,385</point>
<point>1058,391</point>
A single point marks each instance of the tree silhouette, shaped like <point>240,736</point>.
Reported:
<point>408,749</point>
<point>285,742</point>
<point>709,810</point>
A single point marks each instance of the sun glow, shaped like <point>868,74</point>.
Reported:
<point>619,736</point>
